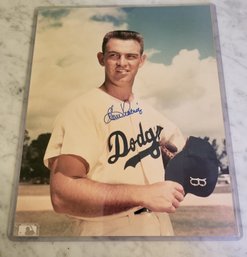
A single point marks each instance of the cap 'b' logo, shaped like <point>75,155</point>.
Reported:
<point>202,182</point>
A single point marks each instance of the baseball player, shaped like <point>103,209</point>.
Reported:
<point>105,156</point>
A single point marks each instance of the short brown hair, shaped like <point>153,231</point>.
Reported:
<point>124,35</point>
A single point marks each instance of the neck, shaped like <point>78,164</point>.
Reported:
<point>122,93</point>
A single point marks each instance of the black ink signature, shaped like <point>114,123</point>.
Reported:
<point>125,110</point>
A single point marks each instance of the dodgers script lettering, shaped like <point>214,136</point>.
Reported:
<point>120,146</point>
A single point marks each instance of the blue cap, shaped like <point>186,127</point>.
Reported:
<point>195,167</point>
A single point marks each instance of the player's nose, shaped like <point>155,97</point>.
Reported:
<point>121,60</point>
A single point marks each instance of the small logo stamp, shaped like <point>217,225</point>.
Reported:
<point>28,229</point>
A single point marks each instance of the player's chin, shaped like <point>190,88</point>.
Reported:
<point>123,76</point>
<point>123,81</point>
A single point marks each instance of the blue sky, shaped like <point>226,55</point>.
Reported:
<point>170,29</point>
<point>167,29</point>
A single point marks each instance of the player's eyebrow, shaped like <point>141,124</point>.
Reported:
<point>119,53</point>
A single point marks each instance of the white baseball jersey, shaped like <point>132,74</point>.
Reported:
<point>118,139</point>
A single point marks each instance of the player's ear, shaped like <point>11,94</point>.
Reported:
<point>143,59</point>
<point>100,57</point>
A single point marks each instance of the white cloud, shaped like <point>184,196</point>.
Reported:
<point>65,63</point>
<point>187,91</point>
<point>151,52</point>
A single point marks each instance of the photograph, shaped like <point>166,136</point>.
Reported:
<point>125,132</point>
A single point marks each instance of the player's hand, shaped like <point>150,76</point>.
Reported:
<point>164,196</point>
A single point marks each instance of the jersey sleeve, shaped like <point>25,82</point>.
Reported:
<point>74,133</point>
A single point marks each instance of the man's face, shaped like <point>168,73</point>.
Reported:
<point>121,60</point>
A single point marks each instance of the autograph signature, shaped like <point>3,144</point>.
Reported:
<point>125,110</point>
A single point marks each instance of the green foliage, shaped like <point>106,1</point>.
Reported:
<point>221,154</point>
<point>33,168</point>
